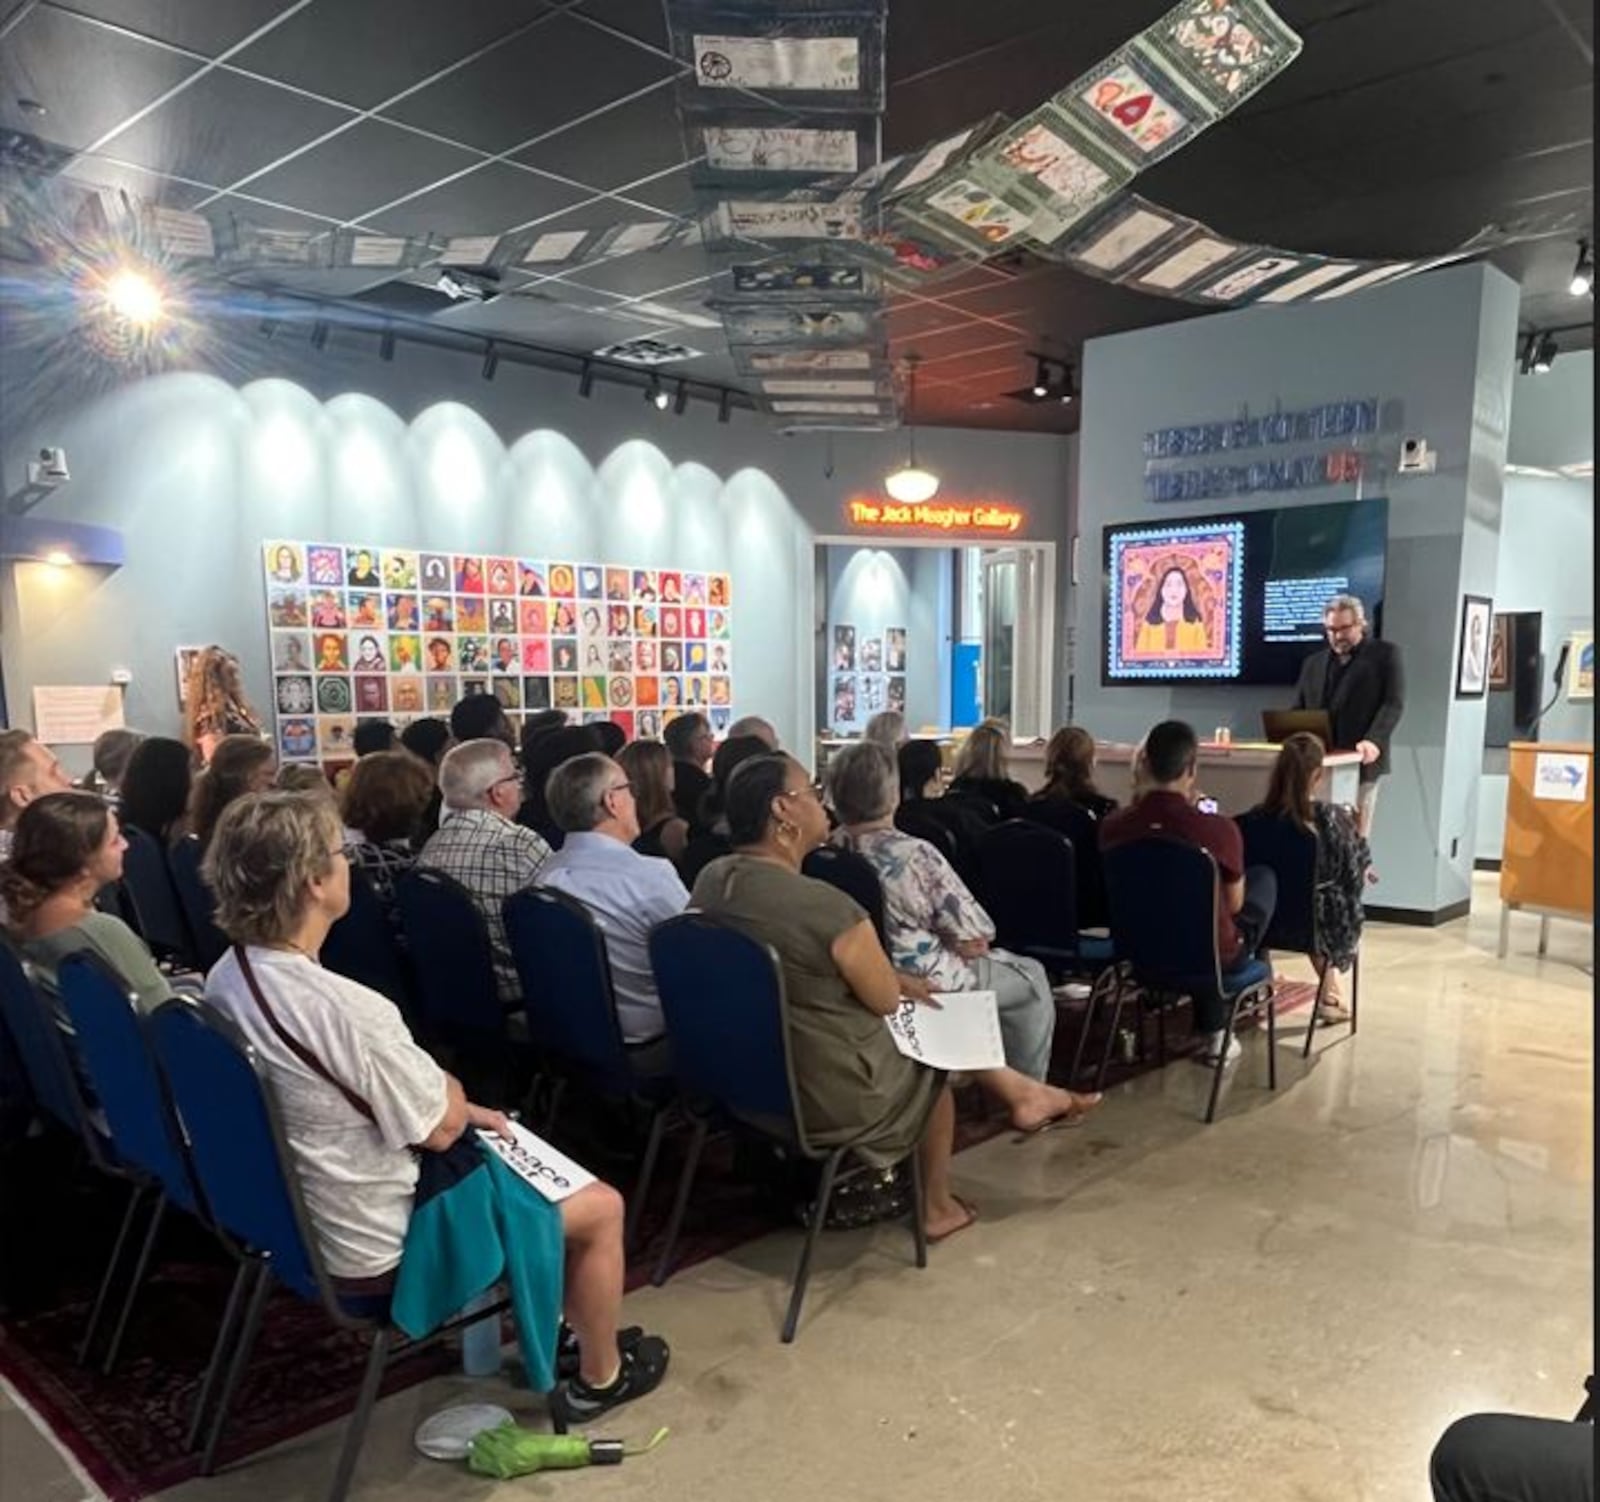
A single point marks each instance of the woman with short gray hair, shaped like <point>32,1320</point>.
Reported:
<point>936,930</point>
<point>888,729</point>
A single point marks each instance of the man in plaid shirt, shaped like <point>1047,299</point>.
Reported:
<point>478,844</point>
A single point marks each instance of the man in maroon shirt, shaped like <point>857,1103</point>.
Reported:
<point>1166,811</point>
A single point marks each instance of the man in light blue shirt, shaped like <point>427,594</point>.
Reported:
<point>589,797</point>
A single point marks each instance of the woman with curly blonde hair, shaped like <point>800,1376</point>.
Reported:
<point>214,702</point>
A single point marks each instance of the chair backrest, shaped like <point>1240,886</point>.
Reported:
<point>915,819</point>
<point>45,1054</point>
<point>450,954</point>
<point>1163,899</point>
<point>122,1069</point>
<point>1083,829</point>
<point>853,874</point>
<point>566,981</point>
<point>1290,850</point>
<point>229,1117</point>
<point>722,997</point>
<point>1030,886</point>
<point>148,882</point>
<point>967,818</point>
<point>199,906</point>
<point>362,945</point>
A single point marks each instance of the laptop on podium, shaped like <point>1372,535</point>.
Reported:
<point>1279,724</point>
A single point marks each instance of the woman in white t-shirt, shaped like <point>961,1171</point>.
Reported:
<point>277,866</point>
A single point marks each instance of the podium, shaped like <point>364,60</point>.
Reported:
<point>1547,862</point>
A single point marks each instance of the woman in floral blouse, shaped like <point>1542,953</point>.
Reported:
<point>936,929</point>
<point>1344,861</point>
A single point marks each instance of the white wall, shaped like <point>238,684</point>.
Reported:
<point>197,468</point>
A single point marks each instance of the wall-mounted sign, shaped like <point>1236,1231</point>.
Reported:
<point>1337,422</point>
<point>987,518</point>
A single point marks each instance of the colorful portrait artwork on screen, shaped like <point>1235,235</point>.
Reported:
<point>1174,602</point>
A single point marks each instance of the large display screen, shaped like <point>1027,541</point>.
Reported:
<point>1236,598</point>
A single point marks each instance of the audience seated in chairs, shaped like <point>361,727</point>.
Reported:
<point>429,739</point>
<point>663,831</point>
<point>542,753</point>
<point>887,728</point>
<point>67,846</point>
<point>710,839</point>
<point>239,764</point>
<point>478,844</point>
<point>692,745</point>
<point>981,771</point>
<point>382,807</point>
<point>628,893</point>
<point>28,769</point>
<point>1071,804</point>
<point>852,1083</point>
<point>1166,811</point>
<point>372,736</point>
<point>156,788</point>
<point>956,826</point>
<point>937,932</point>
<point>753,724</point>
<point>480,717</point>
<point>278,868</point>
<point>1344,862</point>
<point>113,749</point>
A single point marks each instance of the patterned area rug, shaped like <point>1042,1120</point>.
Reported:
<point>127,1429</point>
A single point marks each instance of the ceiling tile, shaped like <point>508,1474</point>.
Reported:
<point>88,79</point>
<point>645,271</point>
<point>538,82</point>
<point>490,200</point>
<point>268,215</point>
<point>330,49</point>
<point>643,20</point>
<point>223,127</point>
<point>102,172</point>
<point>637,139</point>
<point>668,191</point>
<point>210,28</point>
<point>369,164</point>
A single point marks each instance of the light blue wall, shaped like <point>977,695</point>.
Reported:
<point>874,588</point>
<point>1438,352</point>
<point>1546,556</point>
<point>199,468</point>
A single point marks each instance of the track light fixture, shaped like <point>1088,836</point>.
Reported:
<point>1583,272</point>
<point>386,345</point>
<point>586,380</point>
<point>656,394</point>
<point>1041,379</point>
<point>491,361</point>
<point>1069,387</point>
<point>319,333</point>
<point>1544,356</point>
<point>680,403</point>
<point>725,406</point>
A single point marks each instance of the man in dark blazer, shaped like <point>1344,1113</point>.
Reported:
<point>1358,680</point>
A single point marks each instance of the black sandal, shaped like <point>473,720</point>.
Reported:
<point>643,1367</point>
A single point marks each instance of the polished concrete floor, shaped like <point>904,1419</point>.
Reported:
<point>1290,1304</point>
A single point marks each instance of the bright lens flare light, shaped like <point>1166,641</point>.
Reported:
<point>58,558</point>
<point>133,296</point>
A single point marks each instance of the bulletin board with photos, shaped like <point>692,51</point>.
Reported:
<point>397,633</point>
<point>868,674</point>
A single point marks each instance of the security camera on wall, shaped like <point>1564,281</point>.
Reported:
<point>49,469</point>
<point>1416,458</point>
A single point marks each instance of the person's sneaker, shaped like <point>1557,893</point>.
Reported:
<point>1212,1046</point>
<point>569,1358</point>
<point>643,1367</point>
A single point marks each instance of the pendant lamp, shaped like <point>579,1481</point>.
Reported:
<point>911,483</point>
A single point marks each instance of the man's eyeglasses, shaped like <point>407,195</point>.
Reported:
<point>500,782</point>
<point>616,787</point>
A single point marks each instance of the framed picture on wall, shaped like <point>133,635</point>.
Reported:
<point>1581,684</point>
<point>183,659</point>
<point>1472,653</point>
<point>1499,654</point>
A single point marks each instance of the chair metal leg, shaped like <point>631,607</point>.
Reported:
<point>1222,1062</point>
<point>819,1213</point>
<point>356,1428</point>
<point>1316,1010</point>
<point>1088,1022</point>
<point>103,1293</point>
<point>241,1359</point>
<point>919,1210</point>
<point>219,1352</point>
<point>680,1203</point>
<point>1272,1041</point>
<point>1111,1035</point>
<point>140,1268</point>
<point>647,1173</point>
